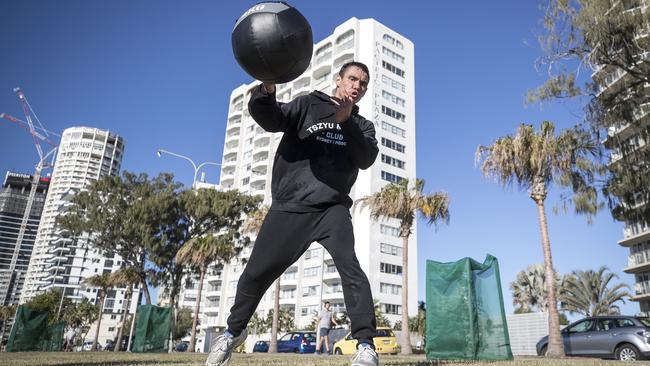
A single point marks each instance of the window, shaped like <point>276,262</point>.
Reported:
<point>310,290</point>
<point>392,309</point>
<point>393,98</point>
<point>288,293</point>
<point>393,129</point>
<point>312,253</point>
<point>311,271</point>
<point>390,249</point>
<point>393,145</point>
<point>582,327</point>
<point>232,284</point>
<point>605,324</point>
<point>394,55</point>
<point>323,53</point>
<point>389,177</point>
<point>393,41</point>
<point>290,275</point>
<point>345,40</point>
<point>390,268</point>
<point>390,289</point>
<point>389,230</point>
<point>393,113</point>
<point>392,161</point>
<point>308,310</point>
<point>245,181</point>
<point>395,70</point>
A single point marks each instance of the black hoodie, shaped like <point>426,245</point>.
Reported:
<point>318,160</point>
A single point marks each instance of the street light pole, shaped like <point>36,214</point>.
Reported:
<point>159,152</point>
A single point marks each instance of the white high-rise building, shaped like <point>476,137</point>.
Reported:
<point>84,156</point>
<point>247,164</point>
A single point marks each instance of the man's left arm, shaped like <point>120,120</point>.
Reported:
<point>361,142</point>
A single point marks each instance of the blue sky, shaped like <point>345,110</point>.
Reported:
<point>160,73</point>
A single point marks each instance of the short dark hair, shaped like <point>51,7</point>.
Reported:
<point>326,302</point>
<point>360,65</point>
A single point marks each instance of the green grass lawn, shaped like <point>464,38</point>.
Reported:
<point>186,359</point>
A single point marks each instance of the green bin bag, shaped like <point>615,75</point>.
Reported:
<point>465,315</point>
<point>31,332</point>
<point>152,329</point>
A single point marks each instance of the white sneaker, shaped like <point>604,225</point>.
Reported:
<point>365,356</point>
<point>222,348</point>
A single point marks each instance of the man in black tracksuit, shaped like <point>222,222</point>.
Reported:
<point>324,145</point>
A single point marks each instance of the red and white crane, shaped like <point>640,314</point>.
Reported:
<point>42,139</point>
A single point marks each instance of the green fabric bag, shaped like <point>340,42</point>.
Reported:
<point>152,329</point>
<point>465,315</point>
<point>31,332</point>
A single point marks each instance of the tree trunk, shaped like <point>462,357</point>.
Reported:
<point>273,346</point>
<point>405,339</point>
<point>172,304</point>
<point>99,320</point>
<point>145,289</point>
<point>196,310</point>
<point>555,342</point>
<point>2,333</point>
<point>125,314</point>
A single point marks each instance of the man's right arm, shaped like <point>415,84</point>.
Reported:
<point>268,113</point>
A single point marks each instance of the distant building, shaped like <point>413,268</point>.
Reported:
<point>15,251</point>
<point>59,261</point>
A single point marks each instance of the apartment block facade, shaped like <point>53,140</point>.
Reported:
<point>247,163</point>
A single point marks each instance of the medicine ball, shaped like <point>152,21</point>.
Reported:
<point>273,42</point>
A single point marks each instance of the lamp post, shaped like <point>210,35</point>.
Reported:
<point>159,152</point>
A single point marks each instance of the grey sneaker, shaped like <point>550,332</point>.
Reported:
<point>222,348</point>
<point>365,356</point>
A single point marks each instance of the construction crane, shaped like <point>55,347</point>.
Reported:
<point>41,137</point>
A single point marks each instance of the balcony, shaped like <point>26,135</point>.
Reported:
<point>302,83</point>
<point>333,295</point>
<point>209,322</point>
<point>641,290</point>
<point>631,237</point>
<point>262,141</point>
<point>211,308</point>
<point>231,146</point>
<point>638,262</point>
<point>213,292</point>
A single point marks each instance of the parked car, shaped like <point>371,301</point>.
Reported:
<point>298,342</point>
<point>626,338</point>
<point>88,346</point>
<point>110,345</point>
<point>181,346</point>
<point>385,342</point>
<point>261,346</point>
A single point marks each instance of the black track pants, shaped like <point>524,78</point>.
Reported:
<point>283,238</point>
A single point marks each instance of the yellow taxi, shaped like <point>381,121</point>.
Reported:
<point>385,343</point>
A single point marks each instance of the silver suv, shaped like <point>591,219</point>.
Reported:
<point>626,338</point>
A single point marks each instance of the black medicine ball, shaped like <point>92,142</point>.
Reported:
<point>273,42</point>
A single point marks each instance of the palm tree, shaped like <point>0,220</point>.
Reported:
<point>103,283</point>
<point>587,293</point>
<point>6,312</point>
<point>257,324</point>
<point>529,290</point>
<point>199,253</point>
<point>401,201</point>
<point>126,276</point>
<point>533,161</point>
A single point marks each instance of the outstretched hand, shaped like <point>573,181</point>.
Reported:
<point>343,108</point>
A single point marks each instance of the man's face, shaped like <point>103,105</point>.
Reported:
<point>353,84</point>
<point>328,306</point>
